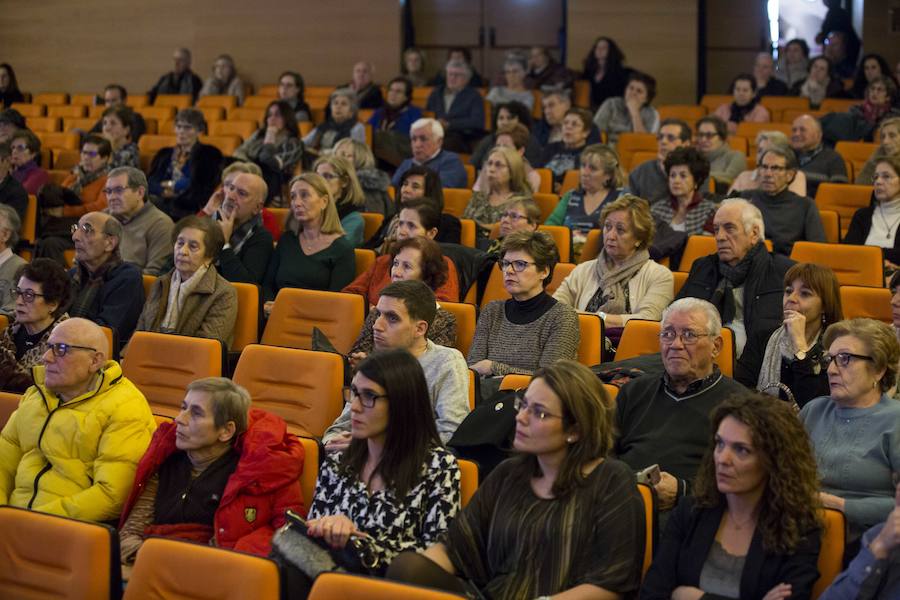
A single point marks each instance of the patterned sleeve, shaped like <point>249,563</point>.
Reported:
<point>442,501</point>
<point>327,496</point>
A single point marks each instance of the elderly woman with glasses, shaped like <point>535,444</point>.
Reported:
<point>88,178</point>
<point>10,263</point>
<point>185,175</point>
<point>531,329</point>
<point>561,517</point>
<point>395,488</point>
<point>41,294</point>
<point>856,429</point>
<point>221,474</point>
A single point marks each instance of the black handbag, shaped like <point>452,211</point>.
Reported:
<point>486,435</point>
<point>357,556</point>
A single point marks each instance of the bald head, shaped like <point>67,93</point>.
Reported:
<point>84,333</point>
<point>245,197</point>
<point>77,351</point>
<point>806,133</point>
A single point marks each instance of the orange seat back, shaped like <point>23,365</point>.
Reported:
<point>246,327</point>
<point>591,247</point>
<point>844,198</point>
<point>301,386</point>
<point>515,382</point>
<point>831,553</point>
<point>296,311</point>
<point>831,222</point>
<point>29,223</point>
<point>648,497</point>
<point>467,233</point>
<point>852,265</point>
<point>45,556</point>
<point>158,113</point>
<point>372,223</point>
<point>468,480</point>
<point>218,101</point>
<point>29,110</point>
<point>9,402</point>
<point>456,200</point>
<point>465,324</point>
<point>161,365</point>
<point>226,144</point>
<point>571,181</point>
<point>176,101</point>
<point>591,341</point>
<point>340,586</point>
<point>243,129</point>
<point>547,203</point>
<point>679,277</point>
<point>310,469</point>
<point>365,258</point>
<point>686,112</point>
<point>167,568</point>
<point>151,144</point>
<point>631,142</point>
<point>867,302</point>
<point>562,237</point>
<point>640,337</point>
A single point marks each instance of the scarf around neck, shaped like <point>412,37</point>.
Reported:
<point>612,291</point>
<point>739,113</point>
<point>178,291</point>
<point>731,278</point>
<point>83,178</point>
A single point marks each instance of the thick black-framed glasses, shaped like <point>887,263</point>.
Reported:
<point>366,397</point>
<point>843,358</point>
<point>28,296</point>
<point>60,349</point>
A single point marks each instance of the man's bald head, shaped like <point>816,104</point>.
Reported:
<point>806,133</point>
<point>77,350</point>
<point>245,197</point>
<point>85,333</point>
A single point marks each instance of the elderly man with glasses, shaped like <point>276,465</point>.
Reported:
<point>146,231</point>
<point>663,421</point>
<point>105,289</point>
<point>649,180</point>
<point>73,445</point>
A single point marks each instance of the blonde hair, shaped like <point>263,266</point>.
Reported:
<point>518,182</point>
<point>641,219</point>
<point>608,161</point>
<point>331,222</point>
<point>880,342</point>
<point>362,155</point>
<point>351,191</point>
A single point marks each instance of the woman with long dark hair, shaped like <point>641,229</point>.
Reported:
<point>395,487</point>
<point>604,69</point>
<point>9,86</point>
<point>275,147</point>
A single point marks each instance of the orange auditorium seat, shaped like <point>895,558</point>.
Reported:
<point>51,99</point>
<point>75,111</point>
<point>231,127</point>
<point>29,110</point>
<point>685,112</point>
<point>222,101</point>
<point>176,101</point>
<point>843,198</point>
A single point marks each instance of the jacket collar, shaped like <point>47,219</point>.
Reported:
<point>108,376</point>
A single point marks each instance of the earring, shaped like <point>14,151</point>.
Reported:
<point>571,439</point>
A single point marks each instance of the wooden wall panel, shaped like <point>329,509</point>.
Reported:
<point>81,46</point>
<point>876,33</point>
<point>735,33</point>
<point>657,36</point>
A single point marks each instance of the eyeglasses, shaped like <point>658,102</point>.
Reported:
<point>517,265</point>
<point>669,137</point>
<point>512,216</point>
<point>328,176</point>
<point>18,147</point>
<point>28,296</point>
<point>91,153</point>
<point>116,191</point>
<point>61,349</point>
<point>86,228</point>
<point>707,135</point>
<point>772,168</point>
<point>884,176</point>
<point>366,397</point>
<point>536,411</point>
<point>843,358</point>
<point>688,337</point>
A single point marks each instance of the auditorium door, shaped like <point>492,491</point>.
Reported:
<point>489,29</point>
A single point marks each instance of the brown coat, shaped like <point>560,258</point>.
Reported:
<point>210,311</point>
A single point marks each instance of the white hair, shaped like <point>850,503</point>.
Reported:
<point>750,215</point>
<point>436,128</point>
<point>713,320</point>
<point>460,64</point>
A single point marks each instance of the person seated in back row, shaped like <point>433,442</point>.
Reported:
<point>458,107</point>
<point>427,141</point>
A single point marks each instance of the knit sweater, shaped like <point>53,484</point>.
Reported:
<point>614,118</point>
<point>788,218</point>
<point>725,164</point>
<point>655,428</point>
<point>649,181</point>
<point>522,349</point>
<point>448,385</point>
<point>147,240</point>
<point>821,165</point>
<point>650,290</point>
<point>857,451</point>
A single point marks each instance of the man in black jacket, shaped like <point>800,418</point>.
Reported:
<point>742,280</point>
<point>248,245</point>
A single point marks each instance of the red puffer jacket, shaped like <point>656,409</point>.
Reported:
<point>264,484</point>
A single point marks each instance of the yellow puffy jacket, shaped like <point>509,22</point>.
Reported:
<point>77,459</point>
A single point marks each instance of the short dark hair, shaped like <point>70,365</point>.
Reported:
<point>518,109</point>
<point>32,142</point>
<point>287,115</point>
<point>104,148</point>
<point>434,267</point>
<point>536,244</point>
<point>799,42</point>
<point>518,133</point>
<point>411,429</point>
<point>298,81</point>
<point>434,190</point>
<point>719,124</point>
<point>55,283</point>
<point>124,114</point>
<point>407,86</point>
<point>416,296</point>
<point>193,117</point>
<point>685,134</point>
<point>429,215</point>
<point>790,159</point>
<point>121,89</point>
<point>213,240</point>
<point>649,82</point>
<point>467,55</point>
<point>583,115</point>
<point>692,159</point>
<point>742,77</point>
<point>821,280</point>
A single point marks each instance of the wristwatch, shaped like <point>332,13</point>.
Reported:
<point>800,355</point>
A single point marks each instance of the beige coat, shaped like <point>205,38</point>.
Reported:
<point>210,311</point>
<point>650,290</point>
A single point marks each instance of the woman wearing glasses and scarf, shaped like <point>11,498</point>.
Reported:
<point>531,329</point>
<point>856,429</point>
<point>41,294</point>
<point>623,282</point>
<point>561,517</point>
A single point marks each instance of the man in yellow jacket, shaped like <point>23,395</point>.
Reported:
<point>73,445</point>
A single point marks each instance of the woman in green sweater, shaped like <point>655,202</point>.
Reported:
<point>312,252</point>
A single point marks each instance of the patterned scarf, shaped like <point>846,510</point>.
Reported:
<point>872,113</point>
<point>83,178</point>
<point>612,292</point>
<point>178,291</point>
<point>87,285</point>
<point>733,277</point>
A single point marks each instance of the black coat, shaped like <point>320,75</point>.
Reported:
<point>206,168</point>
<point>861,225</point>
<point>689,536</point>
<point>763,289</point>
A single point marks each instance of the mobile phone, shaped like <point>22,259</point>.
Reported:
<point>651,475</point>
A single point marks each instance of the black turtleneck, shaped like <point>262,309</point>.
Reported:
<point>528,311</point>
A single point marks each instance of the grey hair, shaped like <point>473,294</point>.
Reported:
<point>750,215</point>
<point>230,402</point>
<point>436,128</point>
<point>13,223</point>
<point>459,64</point>
<point>713,320</point>
<point>349,95</point>
<point>187,54</point>
<point>790,158</point>
<point>516,60</point>
<point>136,177</point>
